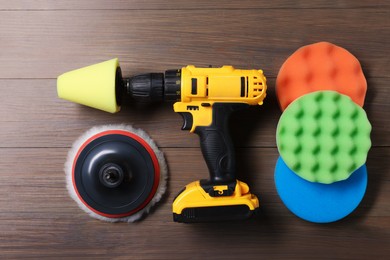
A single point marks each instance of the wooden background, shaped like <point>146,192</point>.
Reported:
<point>41,39</point>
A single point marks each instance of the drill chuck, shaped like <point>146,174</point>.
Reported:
<point>146,88</point>
<point>154,87</point>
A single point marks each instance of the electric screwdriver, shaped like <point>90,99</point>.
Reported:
<point>205,98</point>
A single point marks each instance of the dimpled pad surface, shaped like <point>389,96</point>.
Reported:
<point>320,66</point>
<point>317,202</point>
<point>323,136</point>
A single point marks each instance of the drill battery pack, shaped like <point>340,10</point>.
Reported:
<point>202,202</point>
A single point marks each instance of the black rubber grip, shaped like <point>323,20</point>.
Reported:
<point>217,147</point>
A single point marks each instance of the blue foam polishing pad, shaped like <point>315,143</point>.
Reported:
<point>317,202</point>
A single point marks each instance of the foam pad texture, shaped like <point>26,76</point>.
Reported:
<point>316,202</point>
<point>320,66</point>
<point>93,86</point>
<point>323,136</point>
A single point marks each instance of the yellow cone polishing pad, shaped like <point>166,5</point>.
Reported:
<point>116,173</point>
<point>96,86</point>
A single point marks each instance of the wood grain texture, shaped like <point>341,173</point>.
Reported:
<point>22,122</point>
<point>152,40</point>
<point>41,39</point>
<point>39,219</point>
<point>183,5</point>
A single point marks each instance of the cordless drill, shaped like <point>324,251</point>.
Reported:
<point>205,97</point>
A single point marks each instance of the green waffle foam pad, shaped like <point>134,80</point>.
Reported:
<point>323,136</point>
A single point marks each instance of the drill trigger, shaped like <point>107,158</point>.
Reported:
<point>188,120</point>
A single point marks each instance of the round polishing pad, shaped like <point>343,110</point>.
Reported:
<point>323,136</point>
<point>316,202</point>
<point>115,173</point>
<point>320,66</point>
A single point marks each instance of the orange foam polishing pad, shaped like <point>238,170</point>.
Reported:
<point>320,66</point>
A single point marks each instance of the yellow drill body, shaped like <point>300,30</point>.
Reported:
<point>225,84</point>
<point>201,90</point>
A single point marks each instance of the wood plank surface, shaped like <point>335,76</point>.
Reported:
<point>46,222</point>
<point>153,40</point>
<point>64,121</point>
<point>41,39</point>
<point>183,5</point>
